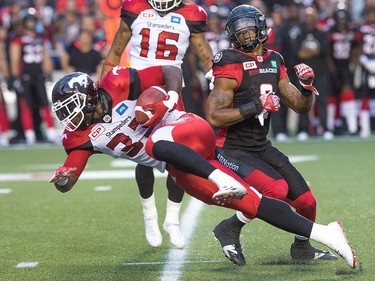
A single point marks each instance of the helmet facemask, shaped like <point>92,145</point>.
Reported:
<point>164,5</point>
<point>70,112</point>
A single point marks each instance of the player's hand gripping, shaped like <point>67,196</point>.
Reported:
<point>270,102</point>
<point>62,175</point>
<point>160,108</point>
<point>306,77</point>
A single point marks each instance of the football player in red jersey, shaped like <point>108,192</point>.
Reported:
<point>159,33</point>
<point>103,121</point>
<point>249,82</point>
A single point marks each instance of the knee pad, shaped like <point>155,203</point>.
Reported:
<point>277,189</point>
<point>305,205</point>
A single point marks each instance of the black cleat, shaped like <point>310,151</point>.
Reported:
<point>230,243</point>
<point>302,250</point>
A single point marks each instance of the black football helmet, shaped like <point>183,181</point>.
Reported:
<point>342,19</point>
<point>70,102</point>
<point>245,18</point>
<point>164,5</point>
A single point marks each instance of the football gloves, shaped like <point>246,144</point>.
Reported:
<point>270,102</point>
<point>306,77</point>
<point>160,108</point>
<point>62,175</point>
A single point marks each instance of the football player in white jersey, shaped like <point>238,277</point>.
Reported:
<point>159,33</point>
<point>102,120</point>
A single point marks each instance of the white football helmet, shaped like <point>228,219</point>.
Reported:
<point>69,100</point>
<point>164,5</point>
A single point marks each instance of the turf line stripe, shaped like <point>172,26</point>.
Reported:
<point>163,262</point>
<point>176,257</point>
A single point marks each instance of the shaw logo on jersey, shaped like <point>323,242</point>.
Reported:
<point>121,109</point>
<point>148,15</point>
<point>249,65</point>
<point>96,131</point>
<point>175,19</point>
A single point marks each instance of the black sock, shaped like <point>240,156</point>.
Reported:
<point>175,193</point>
<point>183,158</point>
<point>280,215</point>
<point>145,178</point>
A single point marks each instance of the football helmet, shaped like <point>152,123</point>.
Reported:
<point>342,19</point>
<point>74,97</point>
<point>246,18</point>
<point>164,5</point>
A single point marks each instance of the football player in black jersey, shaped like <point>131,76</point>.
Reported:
<point>249,83</point>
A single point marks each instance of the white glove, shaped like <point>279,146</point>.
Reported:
<point>209,76</point>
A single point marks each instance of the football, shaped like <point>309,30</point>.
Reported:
<point>148,96</point>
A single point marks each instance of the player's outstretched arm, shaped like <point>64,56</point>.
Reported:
<point>119,43</point>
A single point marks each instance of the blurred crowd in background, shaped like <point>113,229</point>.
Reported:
<point>335,37</point>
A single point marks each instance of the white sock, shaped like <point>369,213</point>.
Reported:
<point>349,109</point>
<point>149,207</point>
<point>221,179</point>
<point>331,113</point>
<point>320,234</point>
<point>242,218</point>
<point>172,215</point>
<point>364,119</point>
<point>30,137</point>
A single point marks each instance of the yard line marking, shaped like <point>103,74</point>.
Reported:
<point>303,158</point>
<point>86,175</point>
<point>27,264</point>
<point>123,163</point>
<point>5,190</point>
<point>103,188</point>
<point>163,262</point>
<point>176,257</point>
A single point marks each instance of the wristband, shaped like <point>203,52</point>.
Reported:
<point>105,62</point>
<point>251,108</point>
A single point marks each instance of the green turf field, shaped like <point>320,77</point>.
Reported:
<point>95,231</point>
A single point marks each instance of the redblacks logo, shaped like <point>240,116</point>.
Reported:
<point>249,65</point>
<point>96,132</point>
<point>148,15</point>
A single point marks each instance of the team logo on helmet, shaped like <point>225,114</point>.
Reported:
<point>81,80</point>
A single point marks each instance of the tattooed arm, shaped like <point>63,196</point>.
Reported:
<point>202,49</point>
<point>293,98</point>
<point>119,43</point>
<point>219,111</point>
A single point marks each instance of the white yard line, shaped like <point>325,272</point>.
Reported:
<point>177,258</point>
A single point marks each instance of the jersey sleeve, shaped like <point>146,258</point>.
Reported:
<point>225,66</point>
<point>281,64</point>
<point>130,9</point>
<point>195,16</point>
<point>151,76</point>
<point>77,159</point>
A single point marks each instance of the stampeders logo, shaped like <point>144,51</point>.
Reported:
<point>96,131</point>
